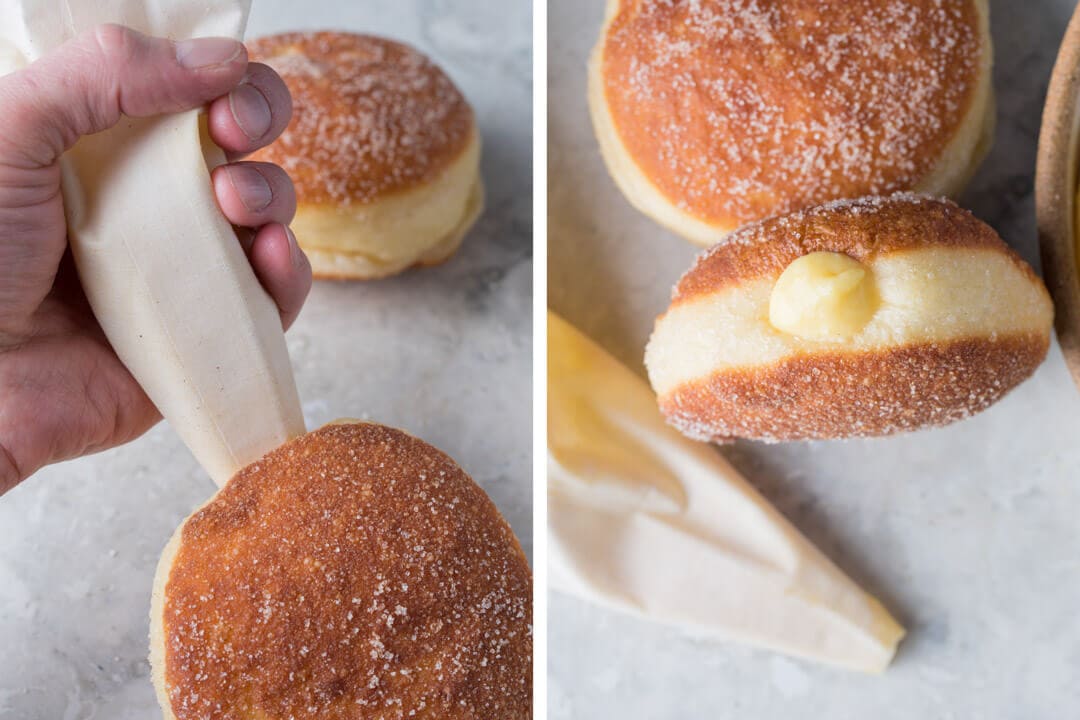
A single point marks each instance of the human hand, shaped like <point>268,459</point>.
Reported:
<point>63,391</point>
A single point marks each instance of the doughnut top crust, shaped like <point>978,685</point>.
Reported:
<point>355,572</point>
<point>863,228</point>
<point>371,116</point>
<point>740,109</point>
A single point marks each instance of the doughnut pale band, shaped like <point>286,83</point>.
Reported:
<point>730,329</point>
<point>387,236</point>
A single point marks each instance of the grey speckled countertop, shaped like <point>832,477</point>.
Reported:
<point>445,353</point>
<point>968,534</point>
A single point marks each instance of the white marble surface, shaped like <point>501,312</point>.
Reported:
<point>968,533</point>
<point>445,353</point>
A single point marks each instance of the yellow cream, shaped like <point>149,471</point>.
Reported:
<point>823,296</point>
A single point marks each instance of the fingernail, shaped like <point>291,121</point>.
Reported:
<point>299,259</point>
<point>251,186</point>
<point>206,52</point>
<point>251,110</point>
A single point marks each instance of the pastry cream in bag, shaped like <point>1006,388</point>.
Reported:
<point>645,520</point>
<point>161,266</point>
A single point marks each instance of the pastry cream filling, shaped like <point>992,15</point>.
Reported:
<point>934,294</point>
<point>822,296</point>
<point>643,520</point>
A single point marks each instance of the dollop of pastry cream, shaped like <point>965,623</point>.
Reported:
<point>824,296</point>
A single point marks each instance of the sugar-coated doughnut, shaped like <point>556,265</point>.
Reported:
<point>355,572</point>
<point>383,150</point>
<point>854,318</point>
<point>713,113</point>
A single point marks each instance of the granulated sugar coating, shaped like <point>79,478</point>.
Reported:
<point>370,116</point>
<point>837,395</point>
<point>741,109</point>
<point>356,572</point>
<point>863,228</point>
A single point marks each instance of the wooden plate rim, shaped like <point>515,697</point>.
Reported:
<point>1055,193</point>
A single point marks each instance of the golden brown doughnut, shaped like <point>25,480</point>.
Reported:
<point>383,150</point>
<point>355,572</point>
<point>711,114</point>
<point>948,320</point>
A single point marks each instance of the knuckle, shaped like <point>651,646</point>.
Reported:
<point>10,474</point>
<point>116,44</point>
<point>28,138</point>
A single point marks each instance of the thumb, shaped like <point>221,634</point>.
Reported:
<point>86,84</point>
